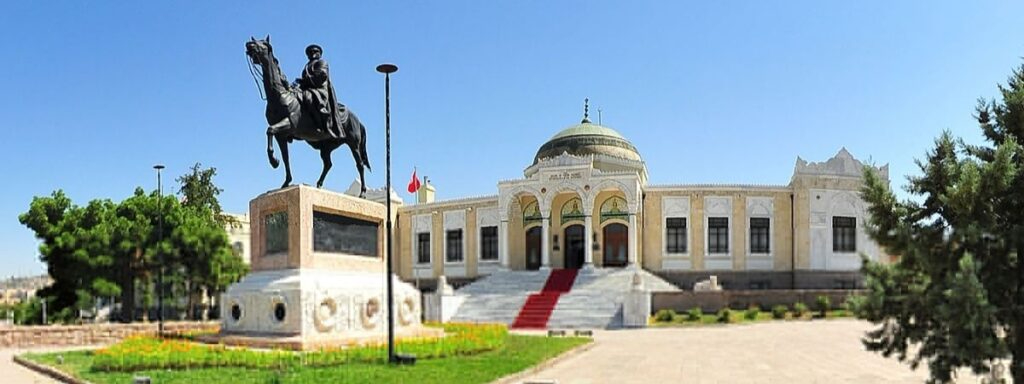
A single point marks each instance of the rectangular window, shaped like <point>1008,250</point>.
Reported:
<point>675,235</point>
<point>718,235</point>
<point>760,235</point>
<point>454,241</point>
<point>489,243</point>
<point>844,234</point>
<point>423,248</point>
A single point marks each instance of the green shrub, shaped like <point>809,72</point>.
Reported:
<point>725,315</point>
<point>799,309</point>
<point>752,312</point>
<point>824,304</point>
<point>779,311</point>
<point>694,314</point>
<point>665,316</point>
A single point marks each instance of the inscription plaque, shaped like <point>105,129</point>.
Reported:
<point>276,226</point>
<point>341,234</point>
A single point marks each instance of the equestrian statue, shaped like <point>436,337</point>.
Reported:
<point>306,110</point>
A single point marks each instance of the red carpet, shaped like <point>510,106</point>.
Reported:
<point>537,310</point>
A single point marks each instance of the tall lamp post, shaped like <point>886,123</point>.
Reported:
<point>387,70</point>
<point>159,251</point>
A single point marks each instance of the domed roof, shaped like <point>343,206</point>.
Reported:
<point>587,138</point>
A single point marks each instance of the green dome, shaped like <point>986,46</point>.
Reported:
<point>588,138</point>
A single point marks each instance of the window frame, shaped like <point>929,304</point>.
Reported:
<point>720,248</point>
<point>486,243</point>
<point>767,250</point>
<point>457,250</point>
<point>844,234</point>
<point>420,236</point>
<point>679,249</point>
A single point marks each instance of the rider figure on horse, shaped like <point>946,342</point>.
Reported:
<point>317,95</point>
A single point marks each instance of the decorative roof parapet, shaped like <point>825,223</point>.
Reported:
<point>717,186</point>
<point>843,164</point>
<point>461,200</point>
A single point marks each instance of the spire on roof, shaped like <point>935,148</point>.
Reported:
<point>586,111</point>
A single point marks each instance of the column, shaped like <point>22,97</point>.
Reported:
<point>503,243</point>
<point>631,255</point>
<point>588,236</point>
<point>545,243</point>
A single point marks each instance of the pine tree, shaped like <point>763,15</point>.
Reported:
<point>955,296</point>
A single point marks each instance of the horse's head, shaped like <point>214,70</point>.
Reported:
<point>259,51</point>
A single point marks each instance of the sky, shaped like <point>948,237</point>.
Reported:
<point>709,92</point>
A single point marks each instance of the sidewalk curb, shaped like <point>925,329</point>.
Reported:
<point>516,377</point>
<point>48,371</point>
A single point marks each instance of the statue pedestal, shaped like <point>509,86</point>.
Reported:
<point>318,275</point>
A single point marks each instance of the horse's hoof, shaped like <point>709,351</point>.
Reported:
<point>274,163</point>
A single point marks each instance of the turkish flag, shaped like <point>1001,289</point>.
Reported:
<point>414,185</point>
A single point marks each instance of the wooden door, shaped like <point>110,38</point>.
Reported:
<point>616,245</point>
<point>533,248</point>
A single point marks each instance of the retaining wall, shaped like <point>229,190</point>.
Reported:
<point>89,334</point>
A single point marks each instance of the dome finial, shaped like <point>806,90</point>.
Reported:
<point>586,111</point>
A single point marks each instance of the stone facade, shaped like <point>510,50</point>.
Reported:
<point>602,193</point>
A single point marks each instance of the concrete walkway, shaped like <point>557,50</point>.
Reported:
<point>14,373</point>
<point>771,352</point>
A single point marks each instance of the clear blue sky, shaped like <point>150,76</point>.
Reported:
<point>728,92</point>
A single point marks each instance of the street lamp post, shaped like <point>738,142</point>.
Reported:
<point>387,70</point>
<point>159,252</point>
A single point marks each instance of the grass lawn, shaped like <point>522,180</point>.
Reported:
<point>518,353</point>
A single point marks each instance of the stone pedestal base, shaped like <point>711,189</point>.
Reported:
<point>308,309</point>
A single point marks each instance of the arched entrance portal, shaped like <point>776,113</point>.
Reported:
<point>533,248</point>
<point>574,246</point>
<point>616,243</point>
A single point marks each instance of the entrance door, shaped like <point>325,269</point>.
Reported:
<point>533,247</point>
<point>574,246</point>
<point>616,244</point>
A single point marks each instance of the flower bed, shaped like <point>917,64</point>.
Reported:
<point>142,353</point>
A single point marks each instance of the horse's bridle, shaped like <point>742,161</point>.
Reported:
<point>251,63</point>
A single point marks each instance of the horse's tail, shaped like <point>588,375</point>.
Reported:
<point>362,146</point>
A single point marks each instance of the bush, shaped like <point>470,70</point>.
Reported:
<point>665,316</point>
<point>725,315</point>
<point>694,314</point>
<point>779,311</point>
<point>799,310</point>
<point>752,312</point>
<point>824,304</point>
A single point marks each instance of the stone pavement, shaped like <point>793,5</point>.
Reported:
<point>772,352</point>
<point>14,373</point>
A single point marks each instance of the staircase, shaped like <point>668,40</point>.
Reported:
<point>539,306</point>
<point>591,299</point>
<point>497,298</point>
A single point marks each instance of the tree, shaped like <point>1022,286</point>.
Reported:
<point>198,191</point>
<point>955,296</point>
<point>107,249</point>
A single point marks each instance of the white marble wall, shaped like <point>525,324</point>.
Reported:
<point>486,217</point>
<point>454,220</point>
<point>675,206</point>
<point>761,207</point>
<point>421,224</point>
<point>718,206</point>
<point>824,205</point>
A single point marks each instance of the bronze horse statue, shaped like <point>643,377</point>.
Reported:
<point>287,121</point>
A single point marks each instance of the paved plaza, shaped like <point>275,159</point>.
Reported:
<point>771,352</point>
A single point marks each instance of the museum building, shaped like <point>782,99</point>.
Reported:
<point>584,202</point>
